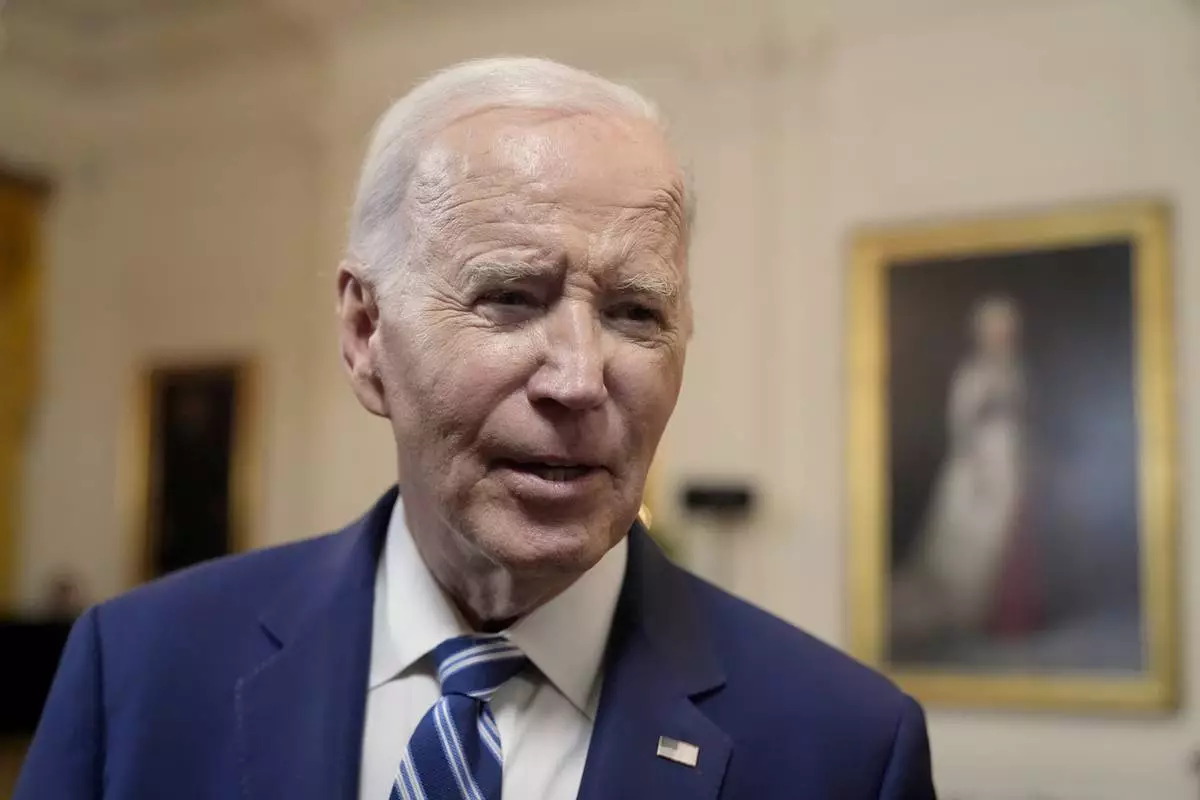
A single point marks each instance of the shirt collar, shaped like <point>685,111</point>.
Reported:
<point>564,637</point>
<point>412,614</point>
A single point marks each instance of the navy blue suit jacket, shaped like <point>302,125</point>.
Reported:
<point>247,678</point>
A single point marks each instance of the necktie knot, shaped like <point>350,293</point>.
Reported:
<point>455,752</point>
<point>476,666</point>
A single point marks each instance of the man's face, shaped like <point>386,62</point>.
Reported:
<point>533,353</point>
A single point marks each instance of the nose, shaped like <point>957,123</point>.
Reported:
<point>571,372</point>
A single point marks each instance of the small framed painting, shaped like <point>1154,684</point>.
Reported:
<point>195,431</point>
<point>1012,467</point>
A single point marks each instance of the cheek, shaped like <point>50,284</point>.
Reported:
<point>646,384</point>
<point>450,379</point>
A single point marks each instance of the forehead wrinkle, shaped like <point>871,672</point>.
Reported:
<point>456,164</point>
<point>645,235</point>
<point>531,151</point>
<point>471,179</point>
<point>466,195</point>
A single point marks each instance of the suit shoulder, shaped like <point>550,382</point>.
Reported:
<point>796,705</point>
<point>219,586</point>
<point>773,656</point>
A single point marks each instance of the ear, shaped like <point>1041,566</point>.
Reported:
<point>358,315</point>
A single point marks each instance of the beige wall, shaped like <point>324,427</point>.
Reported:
<point>206,216</point>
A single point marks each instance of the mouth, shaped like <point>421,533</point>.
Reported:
<point>551,471</point>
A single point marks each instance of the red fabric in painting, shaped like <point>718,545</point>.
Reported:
<point>1016,608</point>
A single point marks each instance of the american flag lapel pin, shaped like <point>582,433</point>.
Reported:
<point>680,752</point>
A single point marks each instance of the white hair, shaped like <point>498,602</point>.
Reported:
<point>377,232</point>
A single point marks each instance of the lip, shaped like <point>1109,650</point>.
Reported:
<point>526,478</point>
<point>549,459</point>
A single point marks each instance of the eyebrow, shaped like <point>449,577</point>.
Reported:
<point>504,272</point>
<point>649,284</point>
<point>509,272</point>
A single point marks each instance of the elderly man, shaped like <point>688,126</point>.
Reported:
<point>514,301</point>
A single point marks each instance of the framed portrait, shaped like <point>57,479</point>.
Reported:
<point>195,450</point>
<point>1011,454</point>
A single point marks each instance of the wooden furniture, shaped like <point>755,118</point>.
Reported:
<point>31,649</point>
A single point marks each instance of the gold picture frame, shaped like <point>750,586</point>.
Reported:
<point>22,203</point>
<point>222,393</point>
<point>940,601</point>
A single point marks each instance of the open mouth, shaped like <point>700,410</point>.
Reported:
<point>557,473</point>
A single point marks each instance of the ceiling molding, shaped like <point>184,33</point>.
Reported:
<point>128,71</point>
<point>96,44</point>
<point>322,15</point>
<point>274,97</point>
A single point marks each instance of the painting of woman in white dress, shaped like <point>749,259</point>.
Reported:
<point>1013,462</point>
<point>970,570</point>
<point>1011,472</point>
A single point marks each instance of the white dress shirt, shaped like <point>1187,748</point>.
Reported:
<point>545,714</point>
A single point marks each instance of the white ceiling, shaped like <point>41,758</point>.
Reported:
<point>107,15</point>
<point>102,15</point>
<point>102,41</point>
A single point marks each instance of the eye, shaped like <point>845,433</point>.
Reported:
<point>512,298</point>
<point>637,314</point>
<point>509,306</point>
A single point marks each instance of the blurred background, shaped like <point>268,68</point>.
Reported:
<point>179,178</point>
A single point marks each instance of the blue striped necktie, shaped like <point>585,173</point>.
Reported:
<point>454,754</point>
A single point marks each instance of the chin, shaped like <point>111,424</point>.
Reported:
<point>524,544</point>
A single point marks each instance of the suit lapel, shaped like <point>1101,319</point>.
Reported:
<point>300,713</point>
<point>658,660</point>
